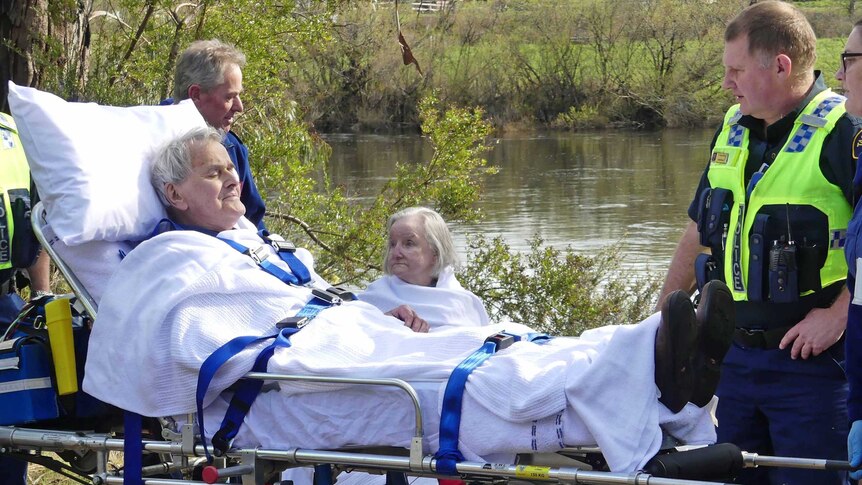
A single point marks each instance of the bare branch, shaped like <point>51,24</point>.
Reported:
<point>310,232</point>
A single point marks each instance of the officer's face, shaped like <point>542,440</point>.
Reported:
<point>754,80</point>
<point>209,196</point>
<point>411,258</point>
<point>219,105</point>
<point>850,72</point>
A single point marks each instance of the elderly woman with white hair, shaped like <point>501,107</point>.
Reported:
<point>419,265</point>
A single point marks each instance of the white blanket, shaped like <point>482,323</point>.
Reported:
<point>179,296</point>
<point>446,304</point>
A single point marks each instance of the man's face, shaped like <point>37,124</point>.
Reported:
<point>219,104</point>
<point>753,79</point>
<point>411,258</point>
<point>851,77</point>
<point>209,196</point>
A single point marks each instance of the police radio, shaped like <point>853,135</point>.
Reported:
<point>783,273</point>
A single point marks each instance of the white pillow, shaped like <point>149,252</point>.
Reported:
<point>91,162</point>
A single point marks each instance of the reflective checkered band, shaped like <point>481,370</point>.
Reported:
<point>838,238</point>
<point>734,139</point>
<point>803,134</point>
<point>7,141</point>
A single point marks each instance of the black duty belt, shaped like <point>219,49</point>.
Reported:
<point>755,338</point>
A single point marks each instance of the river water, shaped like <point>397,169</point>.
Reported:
<point>584,190</point>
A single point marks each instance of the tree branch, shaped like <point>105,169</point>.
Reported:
<point>310,232</point>
<point>151,6</point>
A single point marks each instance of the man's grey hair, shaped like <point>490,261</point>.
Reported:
<point>436,232</point>
<point>204,63</point>
<point>173,161</point>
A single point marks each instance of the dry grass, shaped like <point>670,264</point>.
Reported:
<point>39,475</point>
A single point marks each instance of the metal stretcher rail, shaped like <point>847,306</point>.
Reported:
<point>254,458</point>
<point>37,220</point>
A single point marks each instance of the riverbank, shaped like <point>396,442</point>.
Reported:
<point>568,65</point>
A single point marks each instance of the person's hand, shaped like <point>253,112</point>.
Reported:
<point>409,317</point>
<point>818,331</point>
<point>854,449</point>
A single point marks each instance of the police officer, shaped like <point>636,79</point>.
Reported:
<point>18,250</point>
<point>772,207</point>
<point>850,74</point>
<point>209,72</point>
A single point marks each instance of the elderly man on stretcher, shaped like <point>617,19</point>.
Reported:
<point>208,278</point>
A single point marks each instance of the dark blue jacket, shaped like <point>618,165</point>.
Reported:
<point>250,197</point>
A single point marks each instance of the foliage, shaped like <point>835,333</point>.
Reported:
<point>450,182</point>
<point>331,60</point>
<point>557,291</point>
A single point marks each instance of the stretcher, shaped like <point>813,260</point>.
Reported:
<point>177,455</point>
<point>174,454</point>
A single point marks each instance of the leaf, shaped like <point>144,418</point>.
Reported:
<point>407,54</point>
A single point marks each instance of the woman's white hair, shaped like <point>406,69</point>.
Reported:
<point>436,232</point>
<point>173,161</point>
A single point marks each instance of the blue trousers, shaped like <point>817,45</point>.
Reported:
<point>771,404</point>
<point>12,472</point>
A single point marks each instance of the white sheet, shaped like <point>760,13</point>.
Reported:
<point>179,296</point>
<point>443,305</point>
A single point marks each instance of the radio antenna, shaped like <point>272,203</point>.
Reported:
<point>787,213</point>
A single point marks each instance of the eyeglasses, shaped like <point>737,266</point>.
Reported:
<point>848,55</point>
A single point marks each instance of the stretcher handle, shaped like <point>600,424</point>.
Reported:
<point>752,460</point>
<point>211,474</point>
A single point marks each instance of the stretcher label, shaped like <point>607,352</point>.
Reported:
<point>537,472</point>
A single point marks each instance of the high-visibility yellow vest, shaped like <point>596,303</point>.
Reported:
<point>793,178</point>
<point>14,187</point>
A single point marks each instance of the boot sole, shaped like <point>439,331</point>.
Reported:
<point>676,340</point>
<point>715,322</point>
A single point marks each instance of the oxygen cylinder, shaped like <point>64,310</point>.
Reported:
<point>58,317</point>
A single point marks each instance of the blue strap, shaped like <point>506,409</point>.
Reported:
<point>286,251</point>
<point>450,416</point>
<point>322,475</point>
<point>247,390</point>
<point>208,370</point>
<point>313,307</point>
<point>133,447</point>
<point>298,275</point>
<point>448,455</point>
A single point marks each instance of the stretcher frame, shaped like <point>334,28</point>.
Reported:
<point>181,450</point>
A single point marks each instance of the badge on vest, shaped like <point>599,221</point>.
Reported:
<point>857,145</point>
<point>719,158</point>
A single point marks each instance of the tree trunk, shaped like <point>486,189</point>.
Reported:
<point>45,44</point>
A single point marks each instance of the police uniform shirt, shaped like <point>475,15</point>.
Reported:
<point>838,165</point>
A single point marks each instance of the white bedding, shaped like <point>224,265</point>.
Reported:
<point>179,296</point>
<point>446,304</point>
